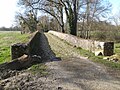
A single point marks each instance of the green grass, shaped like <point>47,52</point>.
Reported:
<point>39,69</point>
<point>117,48</point>
<point>99,59</point>
<point>85,53</point>
<point>8,38</point>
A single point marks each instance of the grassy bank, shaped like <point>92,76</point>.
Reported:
<point>63,49</point>
<point>99,59</point>
<point>39,69</point>
<point>7,38</point>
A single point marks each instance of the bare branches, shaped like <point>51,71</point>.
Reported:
<point>89,10</point>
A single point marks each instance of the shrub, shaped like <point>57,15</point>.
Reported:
<point>113,35</point>
<point>99,36</point>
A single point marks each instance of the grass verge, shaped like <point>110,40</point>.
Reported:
<point>39,69</point>
<point>99,59</point>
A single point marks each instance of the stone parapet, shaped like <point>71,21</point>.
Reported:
<point>105,48</point>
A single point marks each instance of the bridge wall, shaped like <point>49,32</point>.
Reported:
<point>106,48</point>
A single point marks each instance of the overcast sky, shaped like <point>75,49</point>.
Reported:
<point>9,7</point>
<point>7,12</point>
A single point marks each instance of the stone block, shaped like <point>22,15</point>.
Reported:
<point>18,50</point>
<point>108,48</point>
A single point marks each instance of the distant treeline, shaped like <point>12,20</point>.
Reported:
<point>10,29</point>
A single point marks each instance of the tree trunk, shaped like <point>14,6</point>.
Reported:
<point>62,22</point>
<point>73,24</point>
<point>63,30</point>
<point>73,28</point>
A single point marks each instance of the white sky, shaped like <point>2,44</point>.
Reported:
<point>115,6</point>
<point>9,7</point>
<point>7,12</point>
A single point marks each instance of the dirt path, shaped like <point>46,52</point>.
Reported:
<point>74,72</point>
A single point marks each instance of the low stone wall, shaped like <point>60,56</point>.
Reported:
<point>106,48</point>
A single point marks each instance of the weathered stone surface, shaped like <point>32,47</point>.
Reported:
<point>114,58</point>
<point>108,48</point>
<point>36,50</point>
<point>34,45</point>
<point>23,62</point>
<point>39,46</point>
<point>17,50</point>
<point>91,45</point>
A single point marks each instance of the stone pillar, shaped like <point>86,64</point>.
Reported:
<point>108,48</point>
<point>17,50</point>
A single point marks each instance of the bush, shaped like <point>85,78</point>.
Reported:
<point>114,36</point>
<point>106,35</point>
<point>99,36</point>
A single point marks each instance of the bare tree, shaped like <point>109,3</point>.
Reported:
<point>52,7</point>
<point>28,19</point>
<point>89,10</point>
<point>71,8</point>
<point>116,20</point>
<point>56,9</point>
<point>27,22</point>
<point>94,11</point>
